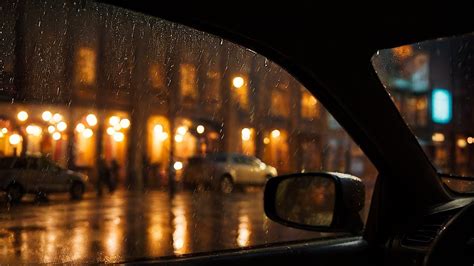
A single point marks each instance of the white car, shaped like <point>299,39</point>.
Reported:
<point>39,175</point>
<point>226,170</point>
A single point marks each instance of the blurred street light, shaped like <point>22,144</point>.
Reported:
<point>47,115</point>
<point>22,116</point>
<point>246,134</point>
<point>178,166</point>
<point>276,133</point>
<point>57,118</point>
<point>62,126</point>
<point>91,120</point>
<point>200,129</point>
<point>14,139</point>
<point>114,120</point>
<point>80,127</point>
<point>125,123</point>
<point>87,133</point>
<point>238,82</point>
<point>57,136</point>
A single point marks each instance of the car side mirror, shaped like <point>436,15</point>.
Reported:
<point>325,202</point>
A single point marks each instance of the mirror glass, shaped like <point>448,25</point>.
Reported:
<point>306,200</point>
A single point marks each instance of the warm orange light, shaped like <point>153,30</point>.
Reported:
<point>178,138</point>
<point>246,134</point>
<point>462,143</point>
<point>125,123</point>
<point>57,136</point>
<point>119,136</point>
<point>200,129</point>
<point>22,116</point>
<point>110,131</point>
<point>163,136</point>
<point>91,120</point>
<point>178,166</point>
<point>47,115</point>
<point>266,140</point>
<point>80,127</point>
<point>276,133</point>
<point>57,117</point>
<point>238,82</point>
<point>182,130</point>
<point>114,120</point>
<point>14,139</point>
<point>51,129</point>
<point>33,130</point>
<point>470,140</point>
<point>87,133</point>
<point>62,126</point>
<point>158,129</point>
<point>438,137</point>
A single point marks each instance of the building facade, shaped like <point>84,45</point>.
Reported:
<point>88,81</point>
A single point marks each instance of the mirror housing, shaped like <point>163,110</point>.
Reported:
<point>345,201</point>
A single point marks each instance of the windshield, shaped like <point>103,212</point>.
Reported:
<point>432,85</point>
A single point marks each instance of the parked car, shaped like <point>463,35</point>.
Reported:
<point>39,175</point>
<point>227,170</point>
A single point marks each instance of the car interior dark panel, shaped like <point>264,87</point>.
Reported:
<point>326,252</point>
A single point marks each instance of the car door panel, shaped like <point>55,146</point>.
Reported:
<point>339,251</point>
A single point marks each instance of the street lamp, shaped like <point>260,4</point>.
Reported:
<point>238,82</point>
<point>275,133</point>
<point>200,129</point>
<point>246,134</point>
<point>178,166</point>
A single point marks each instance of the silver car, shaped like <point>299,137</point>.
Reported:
<point>226,170</point>
<point>39,175</point>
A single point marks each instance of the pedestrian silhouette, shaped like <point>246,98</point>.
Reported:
<point>145,170</point>
<point>103,175</point>
<point>114,175</point>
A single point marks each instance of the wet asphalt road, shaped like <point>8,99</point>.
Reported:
<point>126,226</point>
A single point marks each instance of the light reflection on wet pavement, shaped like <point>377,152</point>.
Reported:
<point>128,225</point>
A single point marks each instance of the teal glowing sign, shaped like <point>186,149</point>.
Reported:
<point>441,106</point>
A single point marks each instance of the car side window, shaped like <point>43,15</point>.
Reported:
<point>128,100</point>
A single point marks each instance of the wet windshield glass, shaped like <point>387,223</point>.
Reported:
<point>432,85</point>
<point>159,127</point>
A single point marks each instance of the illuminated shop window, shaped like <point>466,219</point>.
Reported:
<point>85,132</point>
<point>156,76</point>
<point>276,149</point>
<point>188,82</point>
<point>158,141</point>
<point>309,105</point>
<point>280,102</point>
